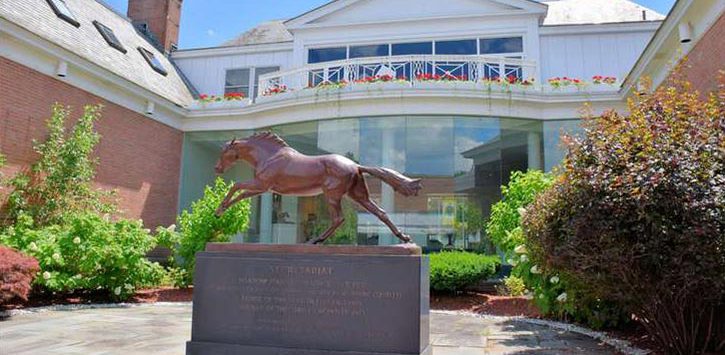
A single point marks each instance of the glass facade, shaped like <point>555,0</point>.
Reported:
<point>462,161</point>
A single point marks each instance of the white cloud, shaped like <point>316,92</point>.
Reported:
<point>210,33</point>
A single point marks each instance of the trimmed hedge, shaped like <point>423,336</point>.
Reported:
<point>455,270</point>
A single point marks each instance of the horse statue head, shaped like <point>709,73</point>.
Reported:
<point>252,150</point>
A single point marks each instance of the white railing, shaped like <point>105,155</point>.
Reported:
<point>412,68</point>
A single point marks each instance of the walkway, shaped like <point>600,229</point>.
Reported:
<point>164,329</point>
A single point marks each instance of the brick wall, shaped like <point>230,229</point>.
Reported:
<point>139,157</point>
<point>707,58</point>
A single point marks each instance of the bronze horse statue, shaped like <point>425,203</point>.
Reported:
<point>281,169</point>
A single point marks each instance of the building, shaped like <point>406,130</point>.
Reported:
<point>457,93</point>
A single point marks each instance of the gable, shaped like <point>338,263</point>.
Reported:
<point>345,12</point>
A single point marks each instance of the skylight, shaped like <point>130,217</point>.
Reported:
<point>153,61</point>
<point>61,10</point>
<point>108,35</point>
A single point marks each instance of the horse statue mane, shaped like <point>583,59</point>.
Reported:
<point>268,137</point>
<point>262,137</point>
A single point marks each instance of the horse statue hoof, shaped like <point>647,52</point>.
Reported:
<point>405,238</point>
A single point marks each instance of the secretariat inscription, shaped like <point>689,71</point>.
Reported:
<point>364,303</point>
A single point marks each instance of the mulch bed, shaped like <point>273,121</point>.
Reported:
<point>484,304</point>
<point>161,294</point>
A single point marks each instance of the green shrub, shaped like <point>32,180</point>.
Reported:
<point>201,225</point>
<point>506,214</point>
<point>514,286</point>
<point>61,181</point>
<point>638,216</point>
<point>455,270</point>
<point>88,252</point>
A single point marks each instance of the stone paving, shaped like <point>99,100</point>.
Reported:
<point>164,329</point>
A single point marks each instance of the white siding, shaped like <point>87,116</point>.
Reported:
<point>585,55</point>
<point>386,10</point>
<point>207,73</point>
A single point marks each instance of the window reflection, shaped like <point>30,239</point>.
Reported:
<point>463,161</point>
<point>502,45</point>
<point>467,46</point>
<point>412,48</point>
<point>376,50</point>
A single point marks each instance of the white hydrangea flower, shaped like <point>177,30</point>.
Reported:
<point>541,295</point>
<point>561,297</point>
<point>128,287</point>
<point>535,269</point>
<point>56,256</point>
<point>171,228</point>
<point>522,211</point>
<point>146,230</point>
<point>46,275</point>
<point>117,290</point>
<point>76,240</point>
<point>33,246</point>
<point>554,279</point>
<point>521,249</point>
<point>512,262</point>
<point>524,258</point>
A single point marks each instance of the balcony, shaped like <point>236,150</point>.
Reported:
<point>494,77</point>
<point>400,71</point>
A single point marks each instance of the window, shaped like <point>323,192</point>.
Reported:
<point>412,48</point>
<point>153,61</point>
<point>466,46</point>
<point>259,72</point>
<point>237,80</point>
<point>326,54</point>
<point>108,35</point>
<point>61,10</point>
<point>375,50</point>
<point>502,45</point>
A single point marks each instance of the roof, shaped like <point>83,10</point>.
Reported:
<point>36,16</point>
<point>576,12</point>
<point>266,32</point>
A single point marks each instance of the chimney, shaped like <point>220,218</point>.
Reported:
<point>157,19</point>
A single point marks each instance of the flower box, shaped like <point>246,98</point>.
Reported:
<point>213,105</point>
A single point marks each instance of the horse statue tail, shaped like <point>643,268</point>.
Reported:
<point>399,182</point>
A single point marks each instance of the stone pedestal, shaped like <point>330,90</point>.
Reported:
<point>265,299</point>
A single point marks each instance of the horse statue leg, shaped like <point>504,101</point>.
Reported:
<point>251,189</point>
<point>359,193</point>
<point>334,204</point>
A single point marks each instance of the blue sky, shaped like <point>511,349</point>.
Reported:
<point>207,23</point>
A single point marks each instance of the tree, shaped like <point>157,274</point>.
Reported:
<point>61,181</point>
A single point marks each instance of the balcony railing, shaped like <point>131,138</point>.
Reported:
<point>412,68</point>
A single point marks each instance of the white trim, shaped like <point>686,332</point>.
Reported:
<point>225,51</point>
<point>28,49</point>
<point>515,13</point>
<point>312,105</point>
<point>601,28</point>
<point>303,21</point>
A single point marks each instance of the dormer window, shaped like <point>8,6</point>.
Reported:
<point>153,61</point>
<point>108,35</point>
<point>61,10</point>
